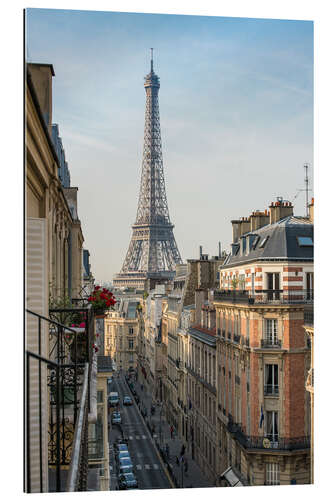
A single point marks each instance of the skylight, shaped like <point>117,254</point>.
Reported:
<point>305,241</point>
<point>264,241</point>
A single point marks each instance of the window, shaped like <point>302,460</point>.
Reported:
<point>272,429</point>
<point>304,241</point>
<point>130,344</point>
<point>255,241</point>
<point>271,333</point>
<point>271,380</point>
<point>272,474</point>
<point>264,241</point>
<point>131,330</point>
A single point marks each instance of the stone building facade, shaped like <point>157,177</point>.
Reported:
<point>121,328</point>
<point>264,420</point>
<point>53,247</point>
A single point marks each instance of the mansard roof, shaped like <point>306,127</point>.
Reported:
<point>278,241</point>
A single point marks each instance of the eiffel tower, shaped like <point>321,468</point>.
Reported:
<point>152,254</point>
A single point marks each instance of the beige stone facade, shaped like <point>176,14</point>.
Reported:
<point>121,328</point>
<point>53,239</point>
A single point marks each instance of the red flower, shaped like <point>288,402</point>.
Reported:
<point>82,325</point>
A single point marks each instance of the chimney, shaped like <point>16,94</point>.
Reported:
<point>200,296</point>
<point>235,230</point>
<point>41,76</point>
<point>200,250</point>
<point>279,210</point>
<point>245,226</point>
<point>311,211</point>
<point>258,219</point>
<point>220,251</point>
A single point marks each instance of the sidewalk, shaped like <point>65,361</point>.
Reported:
<point>160,431</point>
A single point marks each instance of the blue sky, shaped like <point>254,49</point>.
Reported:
<point>236,107</point>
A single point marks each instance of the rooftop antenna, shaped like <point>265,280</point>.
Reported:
<point>151,60</point>
<point>307,189</point>
<point>306,167</point>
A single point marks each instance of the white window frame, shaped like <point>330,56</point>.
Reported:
<point>272,474</point>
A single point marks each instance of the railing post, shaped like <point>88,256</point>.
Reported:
<point>58,484</point>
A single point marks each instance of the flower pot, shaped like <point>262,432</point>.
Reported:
<point>80,356</point>
<point>99,312</point>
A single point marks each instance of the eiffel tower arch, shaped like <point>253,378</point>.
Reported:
<point>152,253</point>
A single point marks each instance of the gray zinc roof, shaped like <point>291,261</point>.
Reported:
<point>282,242</point>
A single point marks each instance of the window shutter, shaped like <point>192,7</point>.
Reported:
<point>37,301</point>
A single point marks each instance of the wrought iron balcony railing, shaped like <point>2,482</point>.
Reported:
<point>265,296</point>
<point>271,390</point>
<point>274,442</point>
<point>269,343</point>
<point>64,388</point>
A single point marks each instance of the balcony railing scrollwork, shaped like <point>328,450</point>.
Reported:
<point>270,343</point>
<point>63,388</point>
<point>265,296</point>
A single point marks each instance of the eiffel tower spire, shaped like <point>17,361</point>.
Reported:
<point>152,251</point>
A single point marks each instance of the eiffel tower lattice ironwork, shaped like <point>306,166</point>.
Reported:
<point>152,251</point>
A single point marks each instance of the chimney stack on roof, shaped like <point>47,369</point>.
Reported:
<point>258,219</point>
<point>279,210</point>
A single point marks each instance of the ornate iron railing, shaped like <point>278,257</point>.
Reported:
<point>271,390</point>
<point>269,343</point>
<point>60,389</point>
<point>267,442</point>
<point>265,296</point>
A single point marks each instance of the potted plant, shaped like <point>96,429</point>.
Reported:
<point>101,299</point>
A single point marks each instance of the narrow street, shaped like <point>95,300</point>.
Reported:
<point>147,466</point>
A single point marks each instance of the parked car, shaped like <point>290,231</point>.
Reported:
<point>125,465</point>
<point>121,447</point>
<point>127,401</point>
<point>113,399</point>
<point>127,481</point>
<point>116,418</point>
<point>122,454</point>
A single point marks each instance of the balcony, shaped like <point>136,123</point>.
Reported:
<point>237,339</point>
<point>62,392</point>
<point>270,343</point>
<point>265,296</point>
<point>237,379</point>
<point>271,390</point>
<point>271,442</point>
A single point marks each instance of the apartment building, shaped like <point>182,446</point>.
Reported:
<point>202,385</point>
<point>263,356</point>
<point>53,260</point>
<point>171,314</point>
<point>184,328</point>
<point>121,328</point>
<point>152,339</point>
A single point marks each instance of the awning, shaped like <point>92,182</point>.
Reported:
<point>231,477</point>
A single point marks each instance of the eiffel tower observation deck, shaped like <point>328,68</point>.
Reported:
<point>153,253</point>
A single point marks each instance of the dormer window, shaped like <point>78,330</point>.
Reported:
<point>264,241</point>
<point>235,248</point>
<point>255,241</point>
<point>304,241</point>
